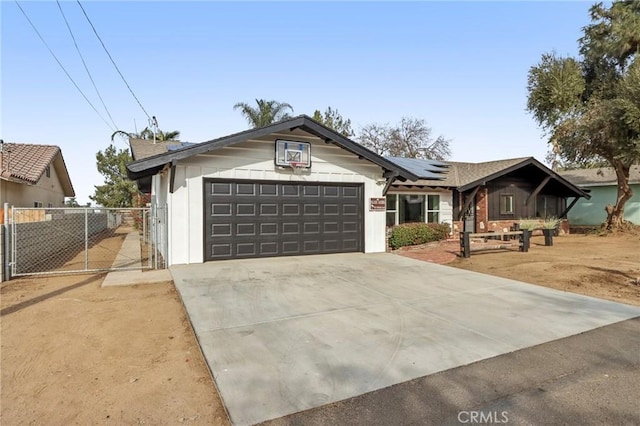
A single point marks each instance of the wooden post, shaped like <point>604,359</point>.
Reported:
<point>525,240</point>
<point>466,244</point>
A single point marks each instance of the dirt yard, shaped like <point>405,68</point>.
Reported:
<point>72,352</point>
<point>607,267</point>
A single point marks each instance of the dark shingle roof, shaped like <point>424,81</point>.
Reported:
<point>26,163</point>
<point>602,176</point>
<point>144,167</point>
<point>461,174</point>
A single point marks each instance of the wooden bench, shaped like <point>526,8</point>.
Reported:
<point>465,241</point>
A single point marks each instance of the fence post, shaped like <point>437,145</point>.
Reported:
<point>526,239</point>
<point>6,269</point>
<point>466,244</point>
<point>86,239</point>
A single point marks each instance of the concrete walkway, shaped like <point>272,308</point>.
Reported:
<point>283,335</point>
<point>129,256</point>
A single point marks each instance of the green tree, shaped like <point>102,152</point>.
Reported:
<point>333,120</point>
<point>147,133</point>
<point>118,190</point>
<point>71,202</point>
<point>266,113</point>
<point>410,138</point>
<point>590,107</point>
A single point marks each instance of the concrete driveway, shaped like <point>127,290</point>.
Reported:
<point>287,334</point>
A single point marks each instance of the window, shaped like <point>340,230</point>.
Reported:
<point>50,205</point>
<point>506,204</point>
<point>47,171</point>
<point>410,208</point>
<point>37,204</point>
<point>392,200</point>
<point>547,206</point>
<point>433,208</point>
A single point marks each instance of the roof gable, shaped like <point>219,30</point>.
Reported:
<point>152,164</point>
<point>26,163</point>
<point>465,176</point>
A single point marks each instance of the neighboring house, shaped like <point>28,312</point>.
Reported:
<point>481,197</point>
<point>238,197</point>
<point>602,185</point>
<point>33,176</point>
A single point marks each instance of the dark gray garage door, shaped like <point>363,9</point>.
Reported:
<point>246,219</point>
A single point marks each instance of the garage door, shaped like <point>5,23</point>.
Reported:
<point>245,219</point>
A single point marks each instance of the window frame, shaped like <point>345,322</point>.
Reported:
<point>503,209</point>
<point>437,210</point>
<point>47,171</point>
<point>395,207</point>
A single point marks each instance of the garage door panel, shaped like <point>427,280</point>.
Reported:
<point>254,219</point>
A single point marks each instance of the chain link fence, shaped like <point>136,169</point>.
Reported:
<point>64,240</point>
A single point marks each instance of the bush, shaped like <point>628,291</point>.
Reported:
<point>411,234</point>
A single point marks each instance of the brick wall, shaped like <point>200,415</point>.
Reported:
<point>482,209</point>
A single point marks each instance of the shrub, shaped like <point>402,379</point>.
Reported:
<point>410,234</point>
<point>551,223</point>
<point>529,224</point>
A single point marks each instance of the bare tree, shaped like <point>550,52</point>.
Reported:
<point>410,138</point>
<point>375,137</point>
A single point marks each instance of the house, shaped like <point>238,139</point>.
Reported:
<point>33,176</point>
<point>482,197</point>
<point>602,185</point>
<point>292,188</point>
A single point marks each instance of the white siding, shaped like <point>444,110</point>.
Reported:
<point>254,160</point>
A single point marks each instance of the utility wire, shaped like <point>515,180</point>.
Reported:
<point>62,66</point>
<point>112,61</point>
<point>85,64</point>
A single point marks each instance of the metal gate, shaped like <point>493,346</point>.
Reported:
<point>86,239</point>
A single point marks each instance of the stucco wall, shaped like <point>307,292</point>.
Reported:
<point>47,190</point>
<point>254,160</point>
<point>591,212</point>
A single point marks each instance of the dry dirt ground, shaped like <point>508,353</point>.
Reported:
<point>72,352</point>
<point>607,266</point>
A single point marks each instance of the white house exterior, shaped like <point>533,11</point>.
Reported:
<point>227,198</point>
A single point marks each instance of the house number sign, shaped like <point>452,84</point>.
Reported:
<point>378,204</point>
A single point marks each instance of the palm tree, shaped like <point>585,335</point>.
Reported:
<point>267,112</point>
<point>147,133</point>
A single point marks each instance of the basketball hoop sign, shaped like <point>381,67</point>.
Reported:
<point>294,154</point>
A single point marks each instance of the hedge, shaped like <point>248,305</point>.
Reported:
<point>411,234</point>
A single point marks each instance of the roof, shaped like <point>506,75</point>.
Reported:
<point>26,163</point>
<point>465,176</point>
<point>423,168</point>
<point>601,176</point>
<point>154,163</point>
<point>145,148</point>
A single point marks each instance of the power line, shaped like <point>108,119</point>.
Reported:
<point>85,64</point>
<point>112,61</point>
<point>62,66</point>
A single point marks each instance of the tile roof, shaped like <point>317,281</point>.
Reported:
<point>26,162</point>
<point>601,176</point>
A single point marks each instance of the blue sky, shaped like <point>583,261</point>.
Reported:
<point>462,66</point>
